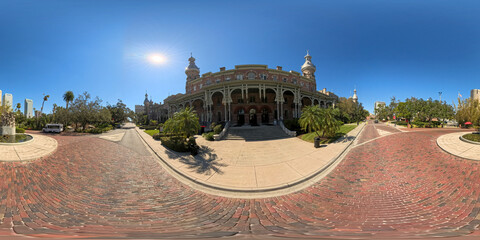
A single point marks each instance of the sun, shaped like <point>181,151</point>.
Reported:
<point>156,58</point>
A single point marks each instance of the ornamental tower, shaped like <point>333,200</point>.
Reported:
<point>355,98</point>
<point>308,69</point>
<point>192,71</point>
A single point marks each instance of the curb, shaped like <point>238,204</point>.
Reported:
<point>468,141</point>
<point>263,190</point>
<point>471,159</point>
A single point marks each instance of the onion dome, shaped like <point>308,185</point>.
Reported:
<point>191,68</point>
<point>308,65</point>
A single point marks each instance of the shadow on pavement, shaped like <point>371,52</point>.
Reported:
<point>204,162</point>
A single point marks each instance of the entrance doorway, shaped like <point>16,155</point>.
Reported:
<point>253,117</point>
<point>241,117</point>
<point>265,117</point>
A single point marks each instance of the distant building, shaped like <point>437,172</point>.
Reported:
<point>355,97</point>
<point>154,111</point>
<point>0,97</point>
<point>8,100</point>
<point>28,108</point>
<point>139,109</point>
<point>475,94</point>
<point>377,105</point>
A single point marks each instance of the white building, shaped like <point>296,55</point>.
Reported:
<point>8,100</point>
<point>475,94</point>
<point>28,108</point>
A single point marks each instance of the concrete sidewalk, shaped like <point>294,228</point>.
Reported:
<point>39,147</point>
<point>253,166</point>
<point>452,144</point>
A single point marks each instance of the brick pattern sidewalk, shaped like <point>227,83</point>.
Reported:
<point>397,186</point>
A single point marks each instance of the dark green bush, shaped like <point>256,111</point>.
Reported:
<point>19,130</point>
<point>175,143</point>
<point>149,127</point>
<point>217,129</point>
<point>292,124</point>
<point>209,136</point>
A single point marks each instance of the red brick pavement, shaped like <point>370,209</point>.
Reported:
<point>399,186</point>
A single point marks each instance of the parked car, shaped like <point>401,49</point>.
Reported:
<point>376,121</point>
<point>53,128</point>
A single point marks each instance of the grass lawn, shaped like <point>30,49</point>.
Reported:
<point>472,137</point>
<point>344,129</point>
<point>151,132</point>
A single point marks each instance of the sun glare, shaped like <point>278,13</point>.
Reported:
<point>156,59</point>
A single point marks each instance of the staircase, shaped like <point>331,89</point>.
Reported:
<point>257,133</point>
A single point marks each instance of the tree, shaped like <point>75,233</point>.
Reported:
<point>68,98</point>
<point>45,98</point>
<point>86,111</point>
<point>18,106</point>
<point>317,119</point>
<point>120,113</point>
<point>468,110</point>
<point>310,119</point>
<point>184,122</point>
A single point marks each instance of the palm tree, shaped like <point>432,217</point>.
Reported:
<point>310,119</point>
<point>68,97</point>
<point>45,98</point>
<point>184,122</point>
<point>318,119</point>
<point>329,124</point>
<point>18,107</point>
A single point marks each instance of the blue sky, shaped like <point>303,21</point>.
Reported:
<point>383,48</point>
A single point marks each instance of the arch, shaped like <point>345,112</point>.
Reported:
<point>306,101</point>
<point>316,102</point>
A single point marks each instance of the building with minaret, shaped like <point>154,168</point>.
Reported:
<point>250,94</point>
<point>355,97</point>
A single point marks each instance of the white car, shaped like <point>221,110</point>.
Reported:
<point>53,128</point>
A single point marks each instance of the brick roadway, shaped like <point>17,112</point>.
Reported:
<point>401,185</point>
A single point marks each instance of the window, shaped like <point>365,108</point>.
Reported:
<point>195,88</point>
<point>251,75</point>
<point>252,99</point>
<point>218,80</point>
<point>294,81</point>
<point>227,78</point>
<point>275,78</point>
<point>301,84</point>
<point>208,82</point>
<point>239,77</point>
<point>284,79</point>
<point>240,100</point>
<point>263,76</point>
<point>201,85</point>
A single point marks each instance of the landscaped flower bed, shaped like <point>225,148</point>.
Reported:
<point>472,137</point>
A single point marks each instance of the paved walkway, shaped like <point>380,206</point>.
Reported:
<point>452,144</point>
<point>40,146</point>
<point>238,165</point>
<point>401,186</point>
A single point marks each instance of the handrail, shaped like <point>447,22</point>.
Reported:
<point>286,130</point>
<point>222,134</point>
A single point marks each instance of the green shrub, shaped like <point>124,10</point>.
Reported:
<point>401,123</point>
<point>218,129</point>
<point>157,136</point>
<point>149,127</point>
<point>472,137</point>
<point>292,124</point>
<point>175,143</point>
<point>209,136</point>
<point>19,130</point>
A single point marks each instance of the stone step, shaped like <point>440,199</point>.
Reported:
<point>257,133</point>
